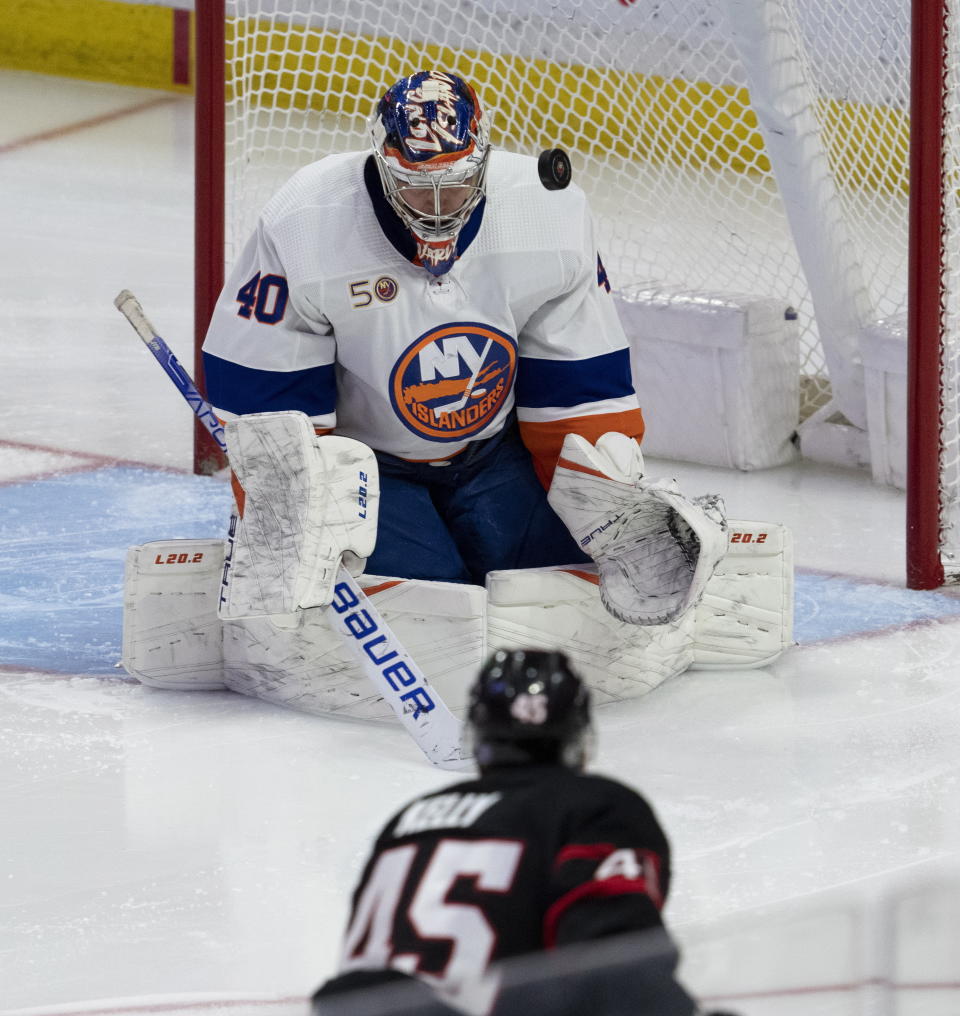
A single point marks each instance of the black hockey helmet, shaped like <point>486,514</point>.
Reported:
<point>528,706</point>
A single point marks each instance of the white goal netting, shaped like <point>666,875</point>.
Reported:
<point>756,147</point>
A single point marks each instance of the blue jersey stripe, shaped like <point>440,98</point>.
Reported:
<point>239,389</point>
<point>544,383</point>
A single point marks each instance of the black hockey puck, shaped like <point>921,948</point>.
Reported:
<point>553,165</point>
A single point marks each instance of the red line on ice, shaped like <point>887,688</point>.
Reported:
<point>82,125</point>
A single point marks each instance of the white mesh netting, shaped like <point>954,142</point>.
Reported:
<point>652,100</point>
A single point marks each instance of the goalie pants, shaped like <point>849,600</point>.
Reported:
<point>482,510</point>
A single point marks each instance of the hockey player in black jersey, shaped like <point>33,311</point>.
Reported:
<point>533,859</point>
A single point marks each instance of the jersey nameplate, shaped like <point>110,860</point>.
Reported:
<point>444,811</point>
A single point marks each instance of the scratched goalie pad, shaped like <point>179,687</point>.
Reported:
<point>173,637</point>
<point>654,548</point>
<point>745,617</point>
<point>303,663</point>
<point>171,631</point>
<point>560,608</point>
<point>308,504</point>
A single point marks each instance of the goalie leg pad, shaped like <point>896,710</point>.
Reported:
<point>173,637</point>
<point>301,662</point>
<point>560,608</point>
<point>171,632</point>
<point>745,618</point>
<point>307,503</point>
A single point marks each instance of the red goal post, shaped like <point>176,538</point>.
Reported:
<point>758,147</point>
<point>209,201</point>
<point>933,415</point>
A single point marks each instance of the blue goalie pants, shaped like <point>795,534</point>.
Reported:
<point>482,510</point>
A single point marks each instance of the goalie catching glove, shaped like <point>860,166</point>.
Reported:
<point>655,549</point>
<point>306,504</point>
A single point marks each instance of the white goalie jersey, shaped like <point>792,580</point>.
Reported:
<point>328,312</point>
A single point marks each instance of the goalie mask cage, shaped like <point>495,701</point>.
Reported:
<point>728,146</point>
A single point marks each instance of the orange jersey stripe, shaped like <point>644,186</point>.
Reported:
<point>544,440</point>
<point>373,590</point>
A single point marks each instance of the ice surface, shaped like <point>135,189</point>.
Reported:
<point>185,853</point>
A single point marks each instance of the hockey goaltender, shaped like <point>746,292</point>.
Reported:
<point>427,402</point>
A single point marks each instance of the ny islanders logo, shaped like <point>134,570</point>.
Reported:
<point>452,381</point>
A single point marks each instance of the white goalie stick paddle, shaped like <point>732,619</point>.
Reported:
<point>391,670</point>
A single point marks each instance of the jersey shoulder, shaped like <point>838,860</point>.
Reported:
<point>322,222</point>
<point>603,791</point>
<point>511,172</point>
<point>522,215</point>
<point>329,182</point>
<point>589,804</point>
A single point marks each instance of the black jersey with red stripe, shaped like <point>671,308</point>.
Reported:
<point>522,859</point>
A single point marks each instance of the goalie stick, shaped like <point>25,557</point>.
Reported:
<point>392,671</point>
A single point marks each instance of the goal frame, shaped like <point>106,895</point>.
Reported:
<point>925,294</point>
<point>924,567</point>
<point>209,202</point>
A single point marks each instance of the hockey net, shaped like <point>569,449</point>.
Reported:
<point>657,104</point>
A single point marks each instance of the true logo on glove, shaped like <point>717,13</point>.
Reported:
<point>594,533</point>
